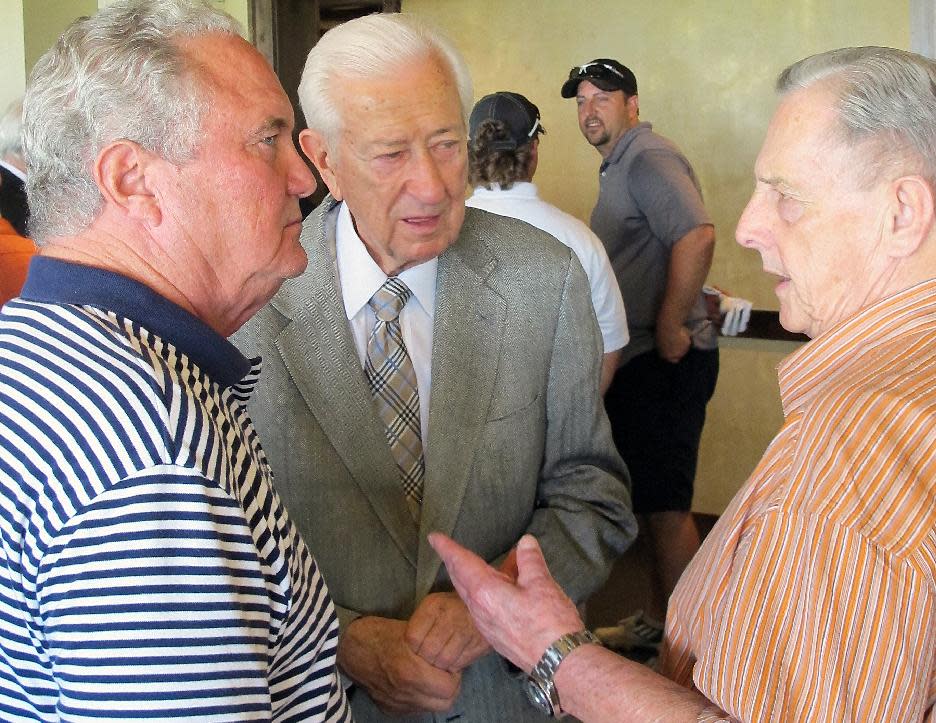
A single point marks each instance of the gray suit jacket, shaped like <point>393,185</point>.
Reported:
<point>518,440</point>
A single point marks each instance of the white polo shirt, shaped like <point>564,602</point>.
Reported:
<point>523,202</point>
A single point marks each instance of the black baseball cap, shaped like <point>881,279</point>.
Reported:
<point>604,73</point>
<point>520,117</point>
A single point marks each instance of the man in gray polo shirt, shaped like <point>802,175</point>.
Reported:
<point>660,240</point>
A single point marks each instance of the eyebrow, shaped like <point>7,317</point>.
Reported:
<point>774,181</point>
<point>598,91</point>
<point>394,142</point>
<point>270,124</point>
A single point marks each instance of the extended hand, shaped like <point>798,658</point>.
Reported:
<point>373,652</point>
<point>521,618</point>
<point>441,633</point>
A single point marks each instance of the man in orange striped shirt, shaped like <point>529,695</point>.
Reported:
<point>814,598</point>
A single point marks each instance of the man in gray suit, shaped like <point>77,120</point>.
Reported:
<point>473,410</point>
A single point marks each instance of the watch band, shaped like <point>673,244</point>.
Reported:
<point>541,687</point>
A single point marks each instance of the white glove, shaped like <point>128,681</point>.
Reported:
<point>735,313</point>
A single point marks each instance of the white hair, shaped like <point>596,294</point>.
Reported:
<point>886,102</point>
<point>11,132</point>
<point>120,74</point>
<point>370,47</point>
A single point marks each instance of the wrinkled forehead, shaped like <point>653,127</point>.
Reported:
<point>228,63</point>
<point>804,125</point>
<point>422,88</point>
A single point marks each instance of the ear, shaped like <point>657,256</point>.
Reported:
<point>911,216</point>
<point>633,105</point>
<point>316,149</point>
<point>120,175</point>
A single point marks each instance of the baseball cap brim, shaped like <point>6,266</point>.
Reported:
<point>570,87</point>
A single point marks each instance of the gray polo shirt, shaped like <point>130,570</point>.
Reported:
<point>648,199</point>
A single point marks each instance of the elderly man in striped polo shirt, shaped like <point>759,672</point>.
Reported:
<point>147,566</point>
<point>813,597</point>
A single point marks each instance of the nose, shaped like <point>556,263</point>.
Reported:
<point>301,181</point>
<point>586,107</point>
<point>750,229</point>
<point>425,181</point>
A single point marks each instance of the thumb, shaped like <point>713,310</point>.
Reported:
<point>531,565</point>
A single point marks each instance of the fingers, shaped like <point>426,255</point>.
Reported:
<point>745,315</point>
<point>737,314</point>
<point>442,633</point>
<point>373,653</point>
<point>420,693</point>
<point>466,570</point>
<point>673,342</point>
<point>440,629</point>
<point>420,625</point>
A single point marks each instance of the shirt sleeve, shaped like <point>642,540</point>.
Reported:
<point>154,601</point>
<point>798,643</point>
<point>664,190</point>
<point>606,294</point>
<point>583,518</point>
<point>828,612</point>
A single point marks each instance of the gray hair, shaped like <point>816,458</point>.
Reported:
<point>885,98</point>
<point>370,47</point>
<point>11,132</point>
<point>121,74</point>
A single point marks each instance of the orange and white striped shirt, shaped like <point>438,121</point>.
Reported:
<point>814,597</point>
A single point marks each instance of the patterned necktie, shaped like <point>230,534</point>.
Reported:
<point>392,379</point>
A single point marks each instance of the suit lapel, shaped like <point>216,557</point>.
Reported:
<point>467,337</point>
<point>319,352</point>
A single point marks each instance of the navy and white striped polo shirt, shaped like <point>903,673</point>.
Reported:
<point>148,569</point>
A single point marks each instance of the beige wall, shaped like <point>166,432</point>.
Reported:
<point>29,27</point>
<point>705,72</point>
<point>44,21</point>
<point>12,54</point>
<point>238,9</point>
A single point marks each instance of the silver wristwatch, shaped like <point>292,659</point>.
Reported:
<point>540,688</point>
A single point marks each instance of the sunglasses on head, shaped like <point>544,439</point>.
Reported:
<point>603,69</point>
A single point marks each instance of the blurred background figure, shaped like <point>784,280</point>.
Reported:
<point>653,223</point>
<point>15,252</point>
<point>13,206</point>
<point>503,153</point>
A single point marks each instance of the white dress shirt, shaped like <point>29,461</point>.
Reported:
<point>360,277</point>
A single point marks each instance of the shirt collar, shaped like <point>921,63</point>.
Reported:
<point>520,190</point>
<point>14,170</point>
<point>848,345</point>
<point>54,281</point>
<point>624,141</point>
<point>360,276</point>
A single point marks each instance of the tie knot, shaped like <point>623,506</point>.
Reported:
<point>388,301</point>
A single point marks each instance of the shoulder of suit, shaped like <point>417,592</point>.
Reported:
<point>510,238</point>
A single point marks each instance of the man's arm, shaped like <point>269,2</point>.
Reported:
<point>583,517</point>
<point>608,302</point>
<point>690,261</point>
<point>155,601</point>
<point>522,618</point>
<point>609,365</point>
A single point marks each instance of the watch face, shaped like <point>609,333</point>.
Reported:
<point>538,696</point>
